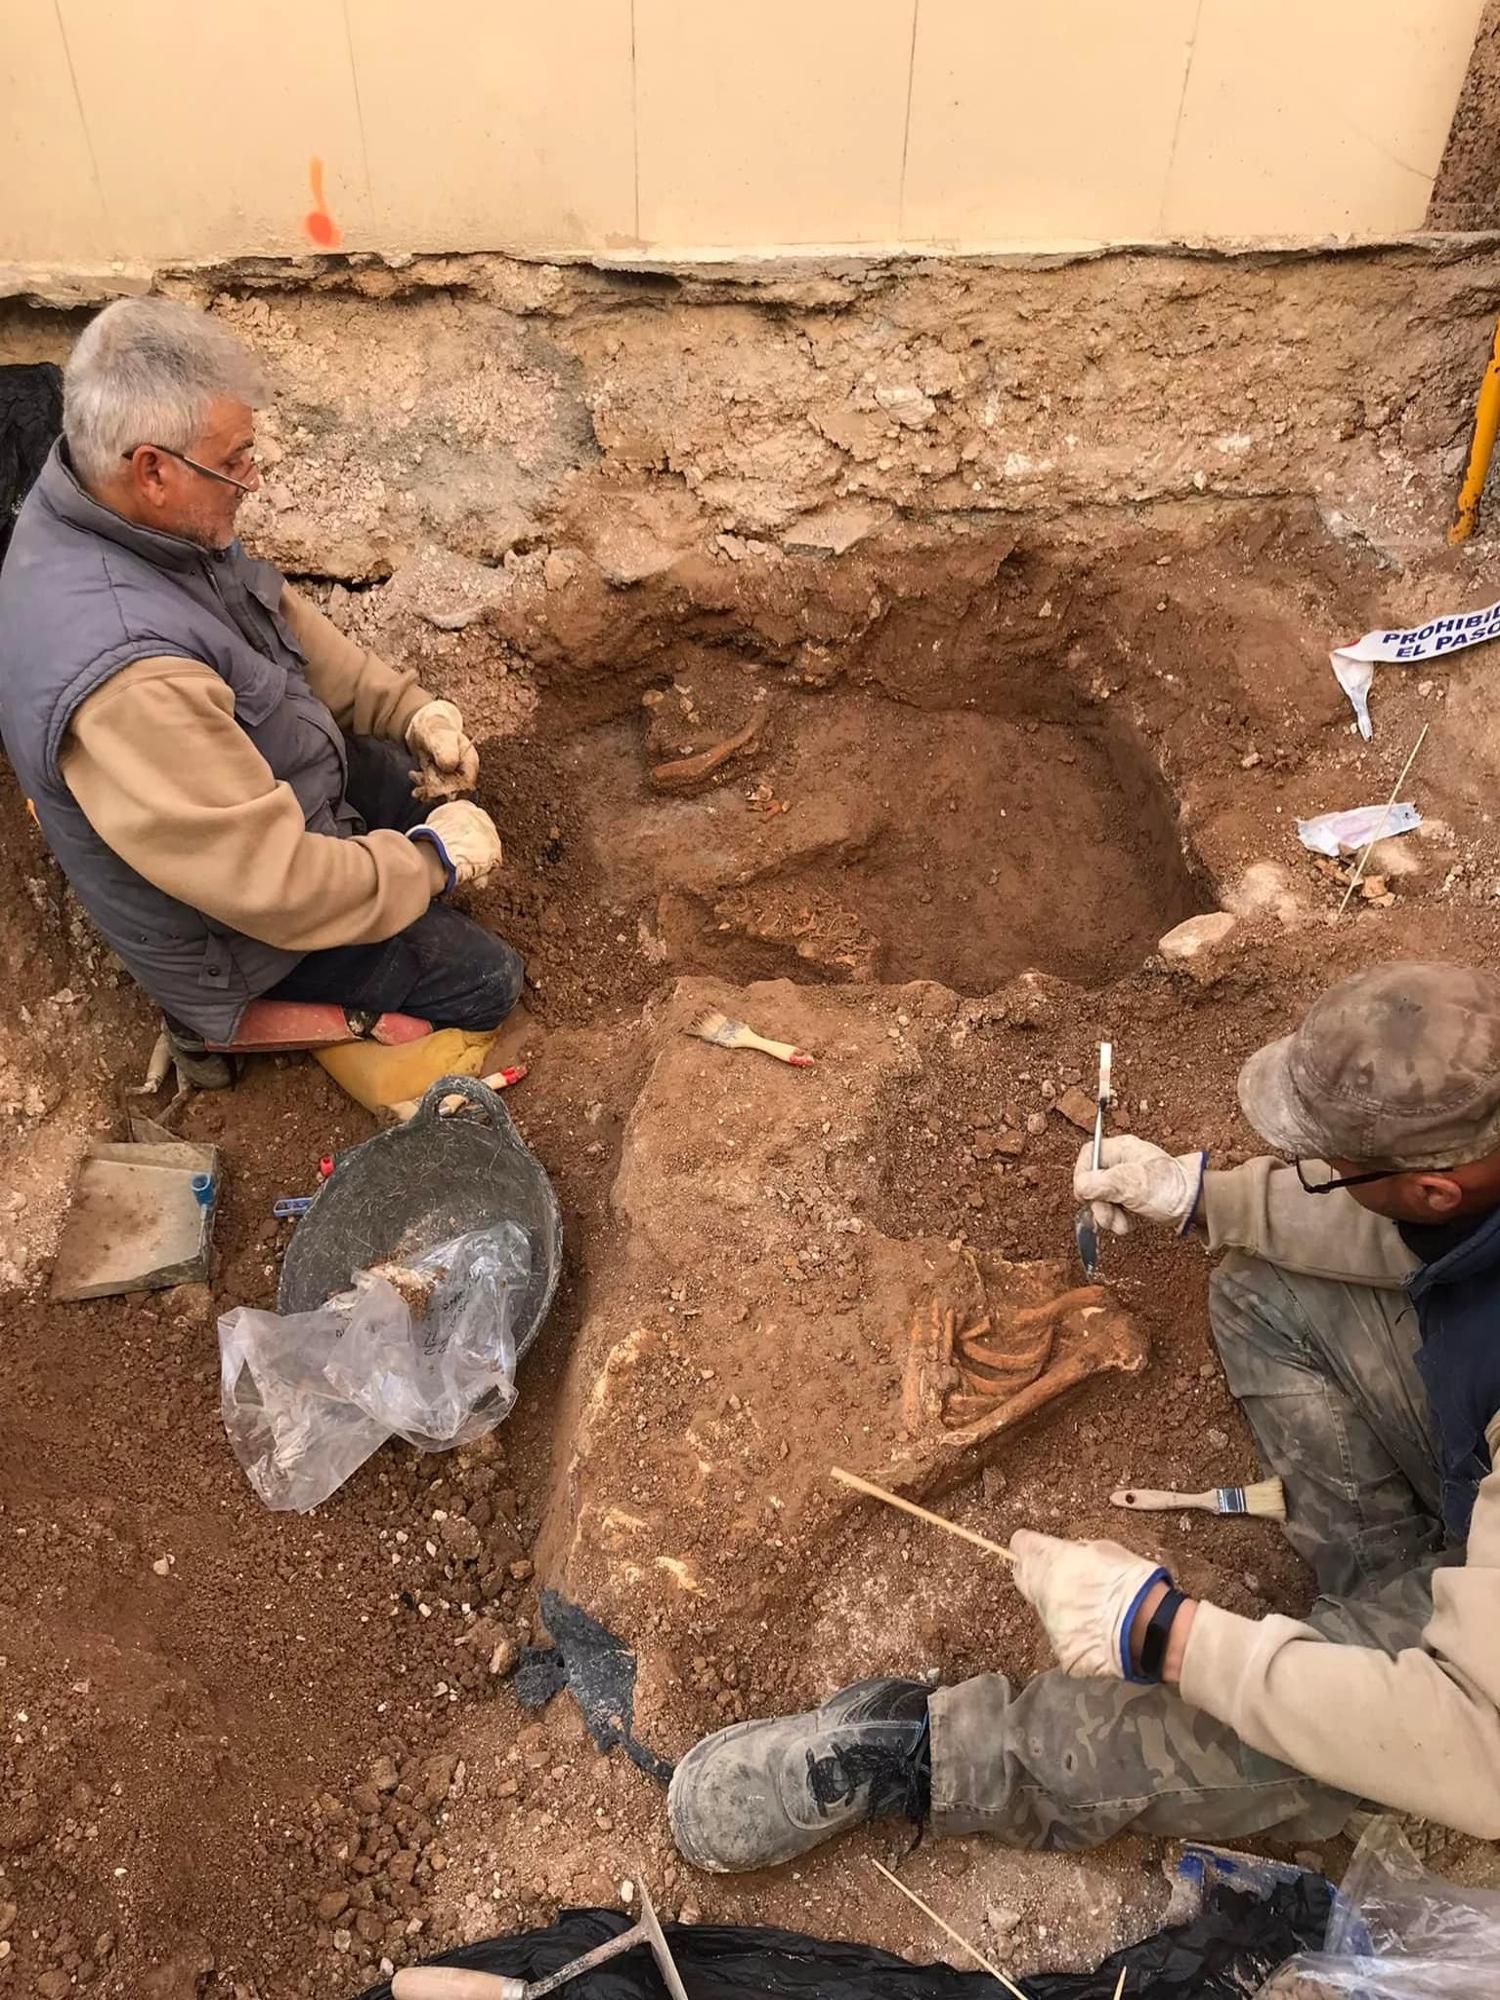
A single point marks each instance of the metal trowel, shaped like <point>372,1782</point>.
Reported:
<point>1085,1229</point>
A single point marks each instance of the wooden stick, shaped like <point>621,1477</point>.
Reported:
<point>874,1492</point>
<point>1120,1983</point>
<point>948,1931</point>
<point>1384,817</point>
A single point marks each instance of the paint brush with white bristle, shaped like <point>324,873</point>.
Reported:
<point>1266,1498</point>
<point>712,1026</point>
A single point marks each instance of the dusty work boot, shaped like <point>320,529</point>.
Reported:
<point>764,1792</point>
<point>197,1067</point>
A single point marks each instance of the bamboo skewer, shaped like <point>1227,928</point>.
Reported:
<point>948,1931</point>
<point>874,1492</point>
<point>1384,819</point>
<point>1120,1983</point>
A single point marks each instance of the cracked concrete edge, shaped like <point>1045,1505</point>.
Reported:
<point>807,278</point>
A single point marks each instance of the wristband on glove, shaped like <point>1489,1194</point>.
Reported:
<point>1158,1631</point>
<point>434,839</point>
<point>1187,1220</point>
<point>1127,1623</point>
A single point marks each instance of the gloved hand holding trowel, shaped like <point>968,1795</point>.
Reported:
<point>1135,1178</point>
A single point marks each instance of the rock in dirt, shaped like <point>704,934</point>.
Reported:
<point>182,1976</point>
<point>833,529</point>
<point>383,1774</point>
<point>461,1538</point>
<point>1197,935</point>
<point>435,1782</point>
<point>1394,857</point>
<point>1077,1107</point>
<point>1265,889</point>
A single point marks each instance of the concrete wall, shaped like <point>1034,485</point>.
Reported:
<point>188,129</point>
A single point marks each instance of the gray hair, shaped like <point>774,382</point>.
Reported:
<point>145,372</point>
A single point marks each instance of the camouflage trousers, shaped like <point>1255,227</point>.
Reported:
<point>1326,1376</point>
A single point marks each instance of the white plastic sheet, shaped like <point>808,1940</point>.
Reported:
<point>307,1397</point>
<point>1398,1933</point>
<point>1350,831</point>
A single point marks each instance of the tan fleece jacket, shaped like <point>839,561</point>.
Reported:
<point>1420,1732</point>
<point>168,779</point>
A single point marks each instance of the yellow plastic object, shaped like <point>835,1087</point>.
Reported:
<point>1481,447</point>
<point>375,1076</point>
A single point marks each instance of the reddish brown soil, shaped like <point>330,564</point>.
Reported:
<point>286,1759</point>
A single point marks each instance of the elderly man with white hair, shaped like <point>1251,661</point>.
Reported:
<point>229,782</point>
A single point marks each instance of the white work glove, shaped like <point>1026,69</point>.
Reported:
<point>465,836</point>
<point>1087,1595</point>
<point>449,762</point>
<point>1137,1178</point>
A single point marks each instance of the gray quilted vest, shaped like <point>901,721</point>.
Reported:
<point>82,594</point>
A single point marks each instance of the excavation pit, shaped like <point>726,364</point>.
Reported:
<point>971,760</point>
<point>858,837</point>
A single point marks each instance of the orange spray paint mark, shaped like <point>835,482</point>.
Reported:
<point>318,223</point>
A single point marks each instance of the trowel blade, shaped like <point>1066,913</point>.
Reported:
<point>1086,1236</point>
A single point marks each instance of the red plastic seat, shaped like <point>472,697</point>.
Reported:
<point>267,1026</point>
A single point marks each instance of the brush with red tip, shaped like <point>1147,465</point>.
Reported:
<point>717,1028</point>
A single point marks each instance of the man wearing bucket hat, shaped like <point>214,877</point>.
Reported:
<point>1357,1315</point>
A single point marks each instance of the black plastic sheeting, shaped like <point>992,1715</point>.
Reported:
<point>598,1670</point>
<point>30,418</point>
<point>1237,1939</point>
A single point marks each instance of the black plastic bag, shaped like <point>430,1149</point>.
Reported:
<point>1252,1916</point>
<point>598,1670</point>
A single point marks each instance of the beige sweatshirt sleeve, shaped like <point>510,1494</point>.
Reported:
<point>169,780</point>
<point>1419,1732</point>
<point>366,697</point>
<point>1263,1208</point>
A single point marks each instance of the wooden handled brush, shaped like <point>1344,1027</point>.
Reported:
<point>1266,1498</point>
<point>712,1026</point>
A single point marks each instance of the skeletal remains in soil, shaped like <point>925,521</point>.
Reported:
<point>991,1361</point>
<point>681,774</point>
<point>954,1378</point>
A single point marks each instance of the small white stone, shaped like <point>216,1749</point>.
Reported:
<point>1196,935</point>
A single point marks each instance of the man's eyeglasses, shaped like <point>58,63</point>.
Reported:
<point>1357,1180</point>
<point>192,464</point>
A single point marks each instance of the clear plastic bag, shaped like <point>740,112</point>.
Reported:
<point>424,1351</point>
<point>1398,1933</point>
